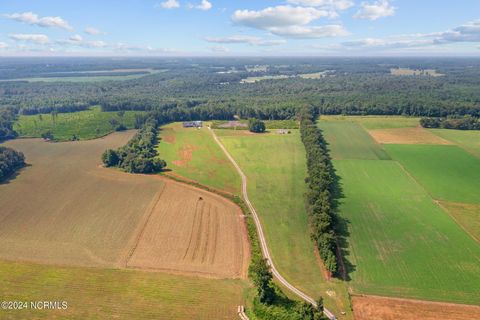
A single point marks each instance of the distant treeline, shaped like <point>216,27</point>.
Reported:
<point>10,160</point>
<point>139,155</point>
<point>465,123</point>
<point>54,109</point>
<point>7,116</point>
<point>321,189</point>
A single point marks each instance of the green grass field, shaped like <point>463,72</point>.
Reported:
<point>93,293</point>
<point>401,242</point>
<point>88,124</point>
<point>467,139</point>
<point>275,167</point>
<point>377,122</point>
<point>348,140</point>
<point>448,173</point>
<point>192,153</point>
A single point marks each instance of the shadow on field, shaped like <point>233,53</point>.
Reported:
<point>346,267</point>
<point>14,175</point>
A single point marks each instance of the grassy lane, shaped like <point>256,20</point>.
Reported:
<point>275,167</point>
<point>117,294</point>
<point>193,154</point>
<point>84,125</point>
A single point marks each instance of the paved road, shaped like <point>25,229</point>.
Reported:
<point>263,242</point>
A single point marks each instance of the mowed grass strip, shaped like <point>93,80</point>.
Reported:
<point>448,173</point>
<point>93,293</point>
<point>88,124</point>
<point>192,153</point>
<point>348,140</point>
<point>467,139</point>
<point>402,243</point>
<point>276,167</point>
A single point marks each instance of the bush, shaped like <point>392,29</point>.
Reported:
<point>10,160</point>
<point>255,125</point>
<point>110,158</point>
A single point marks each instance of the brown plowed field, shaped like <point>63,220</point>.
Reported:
<point>193,231</point>
<point>383,308</point>
<point>416,135</point>
<point>66,209</point>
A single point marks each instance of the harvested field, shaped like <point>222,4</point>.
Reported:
<point>406,136</point>
<point>66,209</point>
<point>383,308</point>
<point>467,215</point>
<point>193,231</point>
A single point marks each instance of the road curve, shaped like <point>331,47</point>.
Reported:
<point>263,242</point>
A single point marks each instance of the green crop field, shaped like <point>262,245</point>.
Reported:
<point>93,293</point>
<point>88,124</point>
<point>377,122</point>
<point>348,140</point>
<point>275,167</point>
<point>467,139</point>
<point>192,153</point>
<point>448,173</point>
<point>399,237</point>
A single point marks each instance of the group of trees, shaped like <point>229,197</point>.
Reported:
<point>459,123</point>
<point>10,160</point>
<point>321,181</point>
<point>139,155</point>
<point>7,116</point>
<point>255,125</point>
<point>272,304</point>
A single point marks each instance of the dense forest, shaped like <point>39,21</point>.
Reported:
<point>207,88</point>
<point>10,161</point>
<point>320,189</point>
<point>7,116</point>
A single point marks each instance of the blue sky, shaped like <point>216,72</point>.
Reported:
<point>236,28</point>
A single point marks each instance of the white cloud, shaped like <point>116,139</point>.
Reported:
<point>3,45</point>
<point>375,10</point>
<point>33,19</point>
<point>280,16</point>
<point>170,4</point>
<point>93,31</point>
<point>35,38</point>
<point>333,30</point>
<point>251,40</point>
<point>219,49</point>
<point>469,32</point>
<point>204,5</point>
<point>76,38</point>
<point>332,4</point>
<point>78,41</point>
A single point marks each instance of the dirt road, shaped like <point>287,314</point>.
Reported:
<point>263,242</point>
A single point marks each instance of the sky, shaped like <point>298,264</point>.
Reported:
<point>240,28</point>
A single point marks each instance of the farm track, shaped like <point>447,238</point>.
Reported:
<point>263,242</point>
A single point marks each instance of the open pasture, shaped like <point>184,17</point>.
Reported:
<point>399,237</point>
<point>467,139</point>
<point>192,153</point>
<point>93,293</point>
<point>376,122</point>
<point>448,173</point>
<point>348,140</point>
<point>88,124</point>
<point>276,167</point>
<point>66,209</point>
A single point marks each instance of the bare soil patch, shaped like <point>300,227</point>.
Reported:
<point>185,155</point>
<point>384,308</point>
<point>193,231</point>
<point>416,135</point>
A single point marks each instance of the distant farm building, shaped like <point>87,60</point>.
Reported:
<point>283,131</point>
<point>192,124</point>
